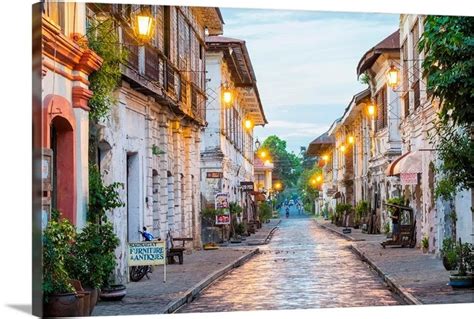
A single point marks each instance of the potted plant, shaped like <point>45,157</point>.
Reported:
<point>265,211</point>
<point>60,298</point>
<point>425,243</point>
<point>341,210</point>
<point>449,254</point>
<point>361,210</point>
<point>463,277</point>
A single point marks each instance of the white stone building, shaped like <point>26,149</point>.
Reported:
<point>151,140</point>
<point>386,140</point>
<point>418,115</point>
<point>227,156</point>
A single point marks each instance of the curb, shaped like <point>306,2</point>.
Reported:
<point>402,292</point>
<point>193,292</point>
<point>346,236</point>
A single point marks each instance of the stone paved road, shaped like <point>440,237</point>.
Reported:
<point>304,266</point>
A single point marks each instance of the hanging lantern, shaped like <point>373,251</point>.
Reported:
<point>371,109</point>
<point>248,124</point>
<point>392,76</point>
<point>143,25</point>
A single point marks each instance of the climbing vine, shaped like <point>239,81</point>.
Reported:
<point>104,40</point>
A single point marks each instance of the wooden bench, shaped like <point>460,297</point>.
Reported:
<point>177,251</point>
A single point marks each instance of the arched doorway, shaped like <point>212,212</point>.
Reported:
<point>59,137</point>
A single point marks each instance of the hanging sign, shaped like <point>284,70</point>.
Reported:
<point>247,186</point>
<point>408,178</point>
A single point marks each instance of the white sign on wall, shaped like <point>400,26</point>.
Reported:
<point>409,178</point>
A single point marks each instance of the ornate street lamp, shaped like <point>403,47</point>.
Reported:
<point>392,77</point>
<point>227,95</point>
<point>371,109</point>
<point>257,144</point>
<point>143,25</point>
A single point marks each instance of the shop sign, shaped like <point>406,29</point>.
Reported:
<point>214,174</point>
<point>247,186</point>
<point>146,253</point>
<point>223,219</point>
<point>222,200</point>
<point>409,178</point>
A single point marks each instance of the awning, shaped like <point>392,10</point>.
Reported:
<point>409,162</point>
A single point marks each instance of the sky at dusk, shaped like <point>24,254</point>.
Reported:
<point>305,64</point>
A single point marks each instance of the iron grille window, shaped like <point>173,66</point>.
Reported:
<point>416,94</point>
<point>152,64</point>
<point>132,48</point>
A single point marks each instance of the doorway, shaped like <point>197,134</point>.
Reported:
<point>133,198</point>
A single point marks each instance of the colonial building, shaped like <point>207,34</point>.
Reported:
<point>150,142</point>
<point>415,168</point>
<point>232,110</point>
<point>263,176</point>
<point>323,149</point>
<point>385,140</point>
<point>352,145</point>
<point>66,66</point>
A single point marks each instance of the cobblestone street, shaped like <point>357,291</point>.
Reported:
<point>304,266</point>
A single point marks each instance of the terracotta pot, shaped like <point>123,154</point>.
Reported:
<point>62,305</point>
<point>94,298</point>
<point>86,303</point>
<point>113,293</point>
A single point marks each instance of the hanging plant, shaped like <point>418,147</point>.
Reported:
<point>103,39</point>
<point>156,150</point>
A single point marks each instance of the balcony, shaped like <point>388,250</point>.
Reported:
<point>150,72</point>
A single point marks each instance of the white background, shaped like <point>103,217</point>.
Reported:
<point>15,129</point>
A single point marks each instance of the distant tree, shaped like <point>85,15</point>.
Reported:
<point>287,165</point>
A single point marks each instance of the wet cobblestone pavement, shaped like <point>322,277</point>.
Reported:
<point>304,266</point>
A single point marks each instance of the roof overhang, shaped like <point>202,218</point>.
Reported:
<point>212,19</point>
<point>320,145</point>
<point>355,106</point>
<point>387,45</point>
<point>238,61</point>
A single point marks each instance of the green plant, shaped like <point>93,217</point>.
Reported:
<point>102,198</point>
<point>264,211</point>
<point>425,243</point>
<point>58,237</point>
<point>156,150</point>
<point>342,209</point>
<point>235,208</point>
<point>103,39</point>
<point>240,229</point>
<point>448,43</point>
<point>361,210</point>
<point>465,259</point>
<point>386,227</point>
<point>97,242</point>
<point>449,252</point>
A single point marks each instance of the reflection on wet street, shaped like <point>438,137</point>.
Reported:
<point>302,267</point>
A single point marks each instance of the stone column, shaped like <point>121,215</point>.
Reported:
<point>188,162</point>
<point>163,168</point>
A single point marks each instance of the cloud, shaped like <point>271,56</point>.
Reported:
<point>305,63</point>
